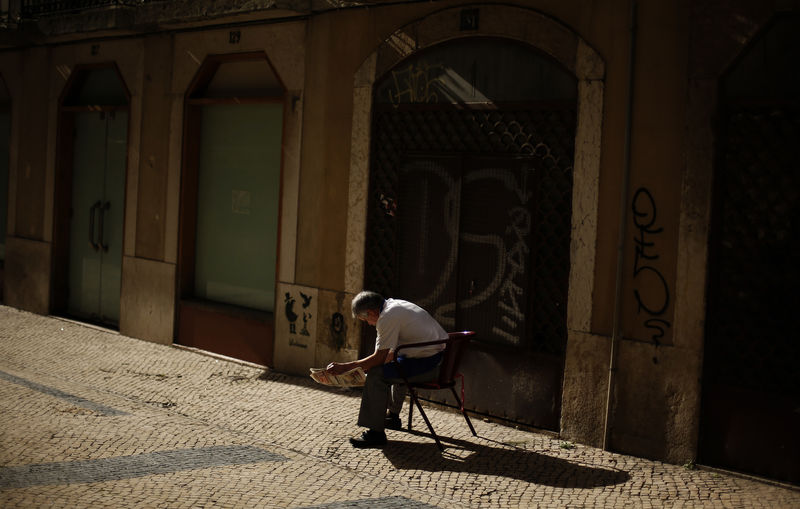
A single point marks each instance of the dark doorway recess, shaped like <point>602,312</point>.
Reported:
<point>5,145</point>
<point>751,383</point>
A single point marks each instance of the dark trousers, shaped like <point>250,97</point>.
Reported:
<point>384,388</point>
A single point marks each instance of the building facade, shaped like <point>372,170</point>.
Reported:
<point>603,191</point>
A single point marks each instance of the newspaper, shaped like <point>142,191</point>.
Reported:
<point>353,378</point>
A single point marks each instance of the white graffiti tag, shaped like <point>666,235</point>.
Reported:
<point>510,291</point>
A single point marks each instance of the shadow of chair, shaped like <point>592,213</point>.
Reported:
<point>448,373</point>
<point>489,457</point>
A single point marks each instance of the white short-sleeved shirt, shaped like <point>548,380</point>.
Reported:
<point>401,323</point>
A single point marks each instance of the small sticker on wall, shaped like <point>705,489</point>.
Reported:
<point>389,205</point>
<point>240,202</point>
<point>338,330</point>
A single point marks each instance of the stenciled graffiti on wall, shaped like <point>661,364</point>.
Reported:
<point>292,316</point>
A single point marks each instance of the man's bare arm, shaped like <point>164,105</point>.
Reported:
<point>376,359</point>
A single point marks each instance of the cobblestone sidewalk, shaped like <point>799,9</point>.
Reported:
<point>90,418</point>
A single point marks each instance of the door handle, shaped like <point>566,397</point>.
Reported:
<point>102,221</point>
<point>92,243</point>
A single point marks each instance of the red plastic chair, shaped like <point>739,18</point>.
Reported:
<point>448,372</point>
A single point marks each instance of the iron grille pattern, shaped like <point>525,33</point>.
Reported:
<point>752,339</point>
<point>33,8</point>
<point>545,133</point>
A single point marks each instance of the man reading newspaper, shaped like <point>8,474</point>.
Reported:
<point>398,322</point>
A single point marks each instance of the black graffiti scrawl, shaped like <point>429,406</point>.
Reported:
<point>645,267</point>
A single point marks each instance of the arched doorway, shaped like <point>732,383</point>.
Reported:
<point>90,195</point>
<point>230,202</point>
<point>751,383</point>
<point>469,214</point>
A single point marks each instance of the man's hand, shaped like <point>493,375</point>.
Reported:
<point>337,368</point>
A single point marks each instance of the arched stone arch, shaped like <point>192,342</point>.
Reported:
<point>548,36</point>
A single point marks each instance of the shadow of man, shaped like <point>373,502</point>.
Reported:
<point>497,459</point>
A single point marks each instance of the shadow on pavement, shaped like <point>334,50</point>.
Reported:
<point>270,375</point>
<point>501,460</point>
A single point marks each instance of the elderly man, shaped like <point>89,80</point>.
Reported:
<point>398,322</point>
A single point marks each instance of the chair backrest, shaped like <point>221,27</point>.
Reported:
<point>456,343</point>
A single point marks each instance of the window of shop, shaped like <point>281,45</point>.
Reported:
<point>230,204</point>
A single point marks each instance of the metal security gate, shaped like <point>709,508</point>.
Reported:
<point>751,382</point>
<point>470,211</point>
<point>470,217</point>
<point>751,395</point>
<point>5,139</point>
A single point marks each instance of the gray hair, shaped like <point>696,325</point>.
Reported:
<point>365,301</point>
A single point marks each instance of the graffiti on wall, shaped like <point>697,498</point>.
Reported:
<point>292,316</point>
<point>505,288</point>
<point>510,291</point>
<point>654,302</point>
<point>416,83</point>
<point>296,331</point>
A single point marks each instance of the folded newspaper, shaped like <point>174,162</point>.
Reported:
<point>353,378</point>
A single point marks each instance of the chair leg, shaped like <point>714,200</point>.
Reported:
<point>415,400</point>
<point>410,412</point>
<point>464,412</point>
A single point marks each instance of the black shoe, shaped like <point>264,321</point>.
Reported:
<point>369,439</point>
<point>392,421</point>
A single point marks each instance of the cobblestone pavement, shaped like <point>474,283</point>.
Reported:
<point>90,418</point>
